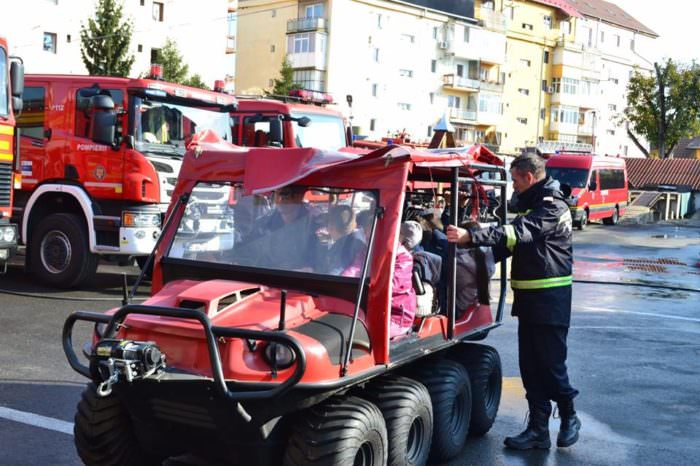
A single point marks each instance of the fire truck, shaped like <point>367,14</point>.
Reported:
<point>301,119</point>
<point>100,158</point>
<point>11,83</point>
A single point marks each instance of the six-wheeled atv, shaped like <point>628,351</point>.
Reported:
<point>267,336</point>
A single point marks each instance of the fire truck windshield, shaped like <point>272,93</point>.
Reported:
<point>161,126</point>
<point>574,177</point>
<point>323,132</point>
<point>4,110</point>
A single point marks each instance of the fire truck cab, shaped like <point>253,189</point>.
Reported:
<point>11,84</point>
<point>100,158</point>
<point>298,120</point>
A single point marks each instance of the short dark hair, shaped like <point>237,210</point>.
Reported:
<point>342,218</point>
<point>532,163</point>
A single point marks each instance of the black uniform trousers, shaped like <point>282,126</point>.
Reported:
<point>542,357</point>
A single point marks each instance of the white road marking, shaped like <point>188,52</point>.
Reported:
<point>37,420</point>
<point>647,314</point>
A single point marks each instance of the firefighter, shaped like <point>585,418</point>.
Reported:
<point>539,241</point>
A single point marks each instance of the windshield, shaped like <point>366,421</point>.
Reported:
<point>574,177</point>
<point>161,126</point>
<point>317,230</point>
<point>325,132</point>
<point>4,110</point>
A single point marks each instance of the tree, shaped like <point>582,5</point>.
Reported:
<point>286,82</point>
<point>195,81</point>
<point>105,39</point>
<point>663,107</point>
<point>174,67</point>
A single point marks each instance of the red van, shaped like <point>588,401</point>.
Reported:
<point>598,186</point>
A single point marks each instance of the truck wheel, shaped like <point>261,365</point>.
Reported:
<point>613,219</point>
<point>339,432</point>
<point>484,367</point>
<point>60,253</point>
<point>448,384</point>
<point>103,433</point>
<point>408,413</point>
<point>584,221</point>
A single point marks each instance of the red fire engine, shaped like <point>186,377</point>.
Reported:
<point>11,83</point>
<point>100,158</point>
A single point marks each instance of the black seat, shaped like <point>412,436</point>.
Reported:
<point>332,330</point>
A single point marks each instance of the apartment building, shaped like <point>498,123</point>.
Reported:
<point>46,34</point>
<point>406,63</point>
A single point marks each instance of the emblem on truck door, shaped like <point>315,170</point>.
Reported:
<point>100,172</point>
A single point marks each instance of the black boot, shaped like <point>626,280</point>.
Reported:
<point>570,424</point>
<point>536,435</point>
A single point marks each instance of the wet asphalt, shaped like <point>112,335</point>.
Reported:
<point>634,349</point>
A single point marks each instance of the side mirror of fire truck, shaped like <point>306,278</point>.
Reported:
<point>276,132</point>
<point>304,121</point>
<point>17,84</point>
<point>103,119</point>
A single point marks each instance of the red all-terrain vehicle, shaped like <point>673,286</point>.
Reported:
<point>259,345</point>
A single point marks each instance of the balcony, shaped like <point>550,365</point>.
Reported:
<point>460,83</point>
<point>311,85</point>
<point>462,115</point>
<point>489,119</point>
<point>315,60</point>
<point>230,44</point>
<point>492,86</point>
<point>306,24</point>
<point>493,20</point>
<point>585,130</point>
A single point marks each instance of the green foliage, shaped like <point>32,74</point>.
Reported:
<point>286,82</point>
<point>664,117</point>
<point>195,81</point>
<point>105,39</point>
<point>174,67</point>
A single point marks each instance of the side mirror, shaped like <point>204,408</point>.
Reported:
<point>592,186</point>
<point>103,119</point>
<point>17,78</point>
<point>276,132</point>
<point>303,121</point>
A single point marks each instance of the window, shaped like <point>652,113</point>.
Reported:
<point>602,36</point>
<point>548,22</point>
<point>68,38</point>
<point>565,27</point>
<point>155,53</point>
<point>569,115</point>
<point>379,21</point>
<point>435,32</point>
<point>610,132</point>
<point>157,13</point>
<point>453,101</point>
<point>525,62</point>
<point>314,11</point>
<point>490,103</point>
<point>408,38</point>
<point>372,124</point>
<point>4,98</point>
<point>611,179</point>
<point>82,103</point>
<point>556,85</point>
<point>272,48</point>
<point>488,4</point>
<point>618,40</point>
<point>522,121</point>
<point>143,2</point>
<point>524,91</point>
<point>466,34</point>
<point>31,121</point>
<point>139,48</point>
<point>431,97</point>
<point>631,44</point>
<point>546,56</point>
<point>615,80</point>
<point>433,66</point>
<point>543,114</point>
<point>430,131</point>
<point>306,42</point>
<point>612,107</point>
<point>527,26</point>
<point>460,71</point>
<point>374,90</point>
<point>404,106</point>
<point>570,85</point>
<point>545,88</point>
<point>406,73</point>
<point>50,42</point>
<point>375,55</point>
<point>273,13</point>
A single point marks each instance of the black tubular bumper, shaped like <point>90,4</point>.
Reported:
<point>211,332</point>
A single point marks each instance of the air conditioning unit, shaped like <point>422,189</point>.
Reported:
<point>443,45</point>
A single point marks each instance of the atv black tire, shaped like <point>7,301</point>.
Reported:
<point>60,251</point>
<point>408,413</point>
<point>484,367</point>
<point>450,391</point>
<point>104,435</point>
<point>339,432</point>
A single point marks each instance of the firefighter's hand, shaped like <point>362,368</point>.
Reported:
<point>458,235</point>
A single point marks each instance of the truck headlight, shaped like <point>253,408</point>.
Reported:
<point>140,219</point>
<point>8,234</point>
<point>284,355</point>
